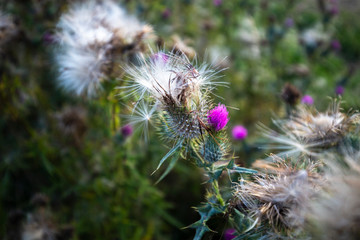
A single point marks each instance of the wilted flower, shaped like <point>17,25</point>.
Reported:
<point>308,100</point>
<point>218,117</point>
<point>279,196</point>
<point>71,122</point>
<point>92,38</point>
<point>290,94</point>
<point>239,132</point>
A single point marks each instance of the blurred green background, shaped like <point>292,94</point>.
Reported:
<point>97,182</point>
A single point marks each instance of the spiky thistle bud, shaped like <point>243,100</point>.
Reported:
<point>179,88</point>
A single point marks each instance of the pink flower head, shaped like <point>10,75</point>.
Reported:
<point>229,234</point>
<point>217,2</point>
<point>239,132</point>
<point>218,117</point>
<point>126,130</point>
<point>336,45</point>
<point>339,90</point>
<point>308,100</point>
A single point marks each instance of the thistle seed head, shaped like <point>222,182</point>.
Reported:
<point>279,196</point>
<point>93,37</point>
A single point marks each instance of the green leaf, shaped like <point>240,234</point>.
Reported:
<point>172,151</point>
<point>169,168</point>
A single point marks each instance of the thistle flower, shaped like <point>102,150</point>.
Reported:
<point>92,38</point>
<point>307,99</point>
<point>339,90</point>
<point>279,196</point>
<point>306,132</point>
<point>336,213</point>
<point>180,89</point>
<point>218,117</point>
<point>239,132</point>
<point>229,234</point>
<point>127,130</point>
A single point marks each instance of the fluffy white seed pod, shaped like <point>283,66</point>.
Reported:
<point>92,36</point>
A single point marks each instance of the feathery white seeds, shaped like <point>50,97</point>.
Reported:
<point>91,35</point>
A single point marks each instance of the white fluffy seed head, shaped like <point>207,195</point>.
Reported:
<point>91,36</point>
<point>309,132</point>
<point>171,79</point>
<point>280,195</point>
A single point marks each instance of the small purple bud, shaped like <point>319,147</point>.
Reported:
<point>218,117</point>
<point>239,132</point>
<point>217,2</point>
<point>159,57</point>
<point>49,38</point>
<point>308,100</point>
<point>339,90</point>
<point>334,10</point>
<point>126,130</point>
<point>229,234</point>
<point>335,45</point>
<point>289,22</point>
<point>166,13</point>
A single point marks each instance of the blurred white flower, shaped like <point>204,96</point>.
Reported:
<point>250,37</point>
<point>91,36</point>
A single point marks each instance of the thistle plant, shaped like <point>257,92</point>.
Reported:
<point>180,93</point>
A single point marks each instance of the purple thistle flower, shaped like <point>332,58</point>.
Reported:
<point>126,130</point>
<point>160,56</point>
<point>339,90</point>
<point>217,2</point>
<point>229,234</point>
<point>289,22</point>
<point>166,13</point>
<point>218,117</point>
<point>336,45</point>
<point>308,100</point>
<point>239,132</point>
